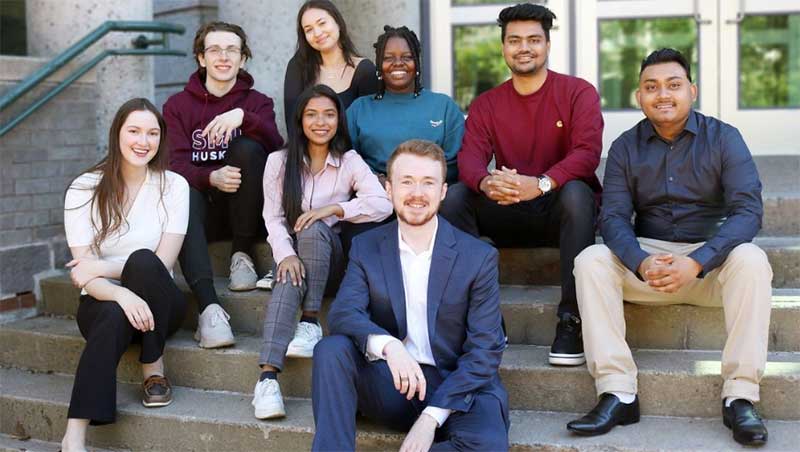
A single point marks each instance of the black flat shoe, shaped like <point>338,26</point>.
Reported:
<point>743,419</point>
<point>607,414</point>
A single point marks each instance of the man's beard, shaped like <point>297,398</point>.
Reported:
<point>416,222</point>
<point>532,71</point>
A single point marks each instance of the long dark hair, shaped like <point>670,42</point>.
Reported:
<point>309,58</point>
<point>297,151</point>
<point>108,199</point>
<point>416,50</point>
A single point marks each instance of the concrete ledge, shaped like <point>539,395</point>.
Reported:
<point>672,382</point>
<point>17,68</point>
<point>530,314</point>
<point>190,423</point>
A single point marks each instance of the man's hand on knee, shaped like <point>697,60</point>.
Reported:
<point>420,437</point>
<point>406,373</point>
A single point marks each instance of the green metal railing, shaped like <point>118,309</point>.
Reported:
<point>140,47</point>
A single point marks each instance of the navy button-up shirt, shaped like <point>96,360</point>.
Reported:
<point>701,187</point>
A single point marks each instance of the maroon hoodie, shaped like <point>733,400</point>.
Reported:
<point>187,113</point>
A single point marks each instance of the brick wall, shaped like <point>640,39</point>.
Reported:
<point>37,160</point>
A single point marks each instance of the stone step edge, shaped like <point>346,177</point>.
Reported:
<point>524,370</point>
<point>529,429</point>
<point>11,443</point>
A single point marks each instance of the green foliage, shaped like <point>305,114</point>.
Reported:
<point>479,62</point>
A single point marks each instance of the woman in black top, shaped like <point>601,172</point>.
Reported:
<point>325,55</point>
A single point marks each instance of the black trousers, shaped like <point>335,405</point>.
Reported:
<point>216,215</point>
<point>563,218</point>
<point>108,334</point>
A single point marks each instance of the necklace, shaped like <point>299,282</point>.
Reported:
<point>331,74</point>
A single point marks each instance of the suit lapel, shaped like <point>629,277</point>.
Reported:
<point>393,272</point>
<point>442,260</point>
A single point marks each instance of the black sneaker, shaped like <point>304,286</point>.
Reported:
<point>567,349</point>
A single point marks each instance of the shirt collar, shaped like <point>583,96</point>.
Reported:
<point>648,131</point>
<point>330,160</point>
<point>404,246</point>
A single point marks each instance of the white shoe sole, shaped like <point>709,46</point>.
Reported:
<point>560,359</point>
<point>274,413</point>
<point>156,404</point>
<point>263,286</point>
<point>213,344</point>
<point>297,352</point>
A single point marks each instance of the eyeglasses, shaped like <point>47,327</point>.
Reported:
<point>216,51</point>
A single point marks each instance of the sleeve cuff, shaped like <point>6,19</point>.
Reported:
<point>376,344</point>
<point>349,210</point>
<point>440,414</point>
<point>633,259</point>
<point>280,253</point>
<point>703,256</point>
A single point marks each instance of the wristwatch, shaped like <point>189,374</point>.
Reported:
<point>545,184</point>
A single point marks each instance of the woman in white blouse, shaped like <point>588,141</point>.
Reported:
<point>125,219</point>
<point>309,188</point>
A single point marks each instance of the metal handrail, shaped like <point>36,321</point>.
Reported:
<point>140,43</point>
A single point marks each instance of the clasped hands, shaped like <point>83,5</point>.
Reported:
<point>506,186</point>
<point>668,273</point>
<point>409,380</point>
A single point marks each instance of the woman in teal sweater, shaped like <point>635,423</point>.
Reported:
<point>402,109</point>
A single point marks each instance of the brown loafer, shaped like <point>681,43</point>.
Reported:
<point>157,391</point>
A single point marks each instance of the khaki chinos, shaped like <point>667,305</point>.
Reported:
<point>741,285</point>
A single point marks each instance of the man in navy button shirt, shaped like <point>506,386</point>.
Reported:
<point>694,189</point>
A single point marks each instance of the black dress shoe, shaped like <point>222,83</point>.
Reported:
<point>743,419</point>
<point>608,413</point>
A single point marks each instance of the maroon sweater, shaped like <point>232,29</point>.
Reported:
<point>187,113</point>
<point>557,131</point>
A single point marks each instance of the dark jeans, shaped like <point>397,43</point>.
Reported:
<point>108,334</point>
<point>343,382</point>
<point>563,218</point>
<point>216,215</point>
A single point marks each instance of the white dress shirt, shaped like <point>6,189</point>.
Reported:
<point>416,268</point>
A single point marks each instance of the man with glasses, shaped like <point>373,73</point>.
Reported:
<point>544,130</point>
<point>220,132</point>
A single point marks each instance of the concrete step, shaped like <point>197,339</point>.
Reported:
<point>17,443</point>
<point>189,424</point>
<point>537,266</point>
<point>529,312</point>
<point>672,382</point>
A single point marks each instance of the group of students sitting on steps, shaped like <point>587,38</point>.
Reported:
<point>382,193</point>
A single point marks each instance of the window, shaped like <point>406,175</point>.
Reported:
<point>769,61</point>
<point>479,63</point>
<point>13,31</point>
<point>624,43</point>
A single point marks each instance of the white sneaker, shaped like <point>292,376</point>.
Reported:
<point>213,329</point>
<point>267,281</point>
<point>243,272</point>
<point>306,337</point>
<point>267,400</point>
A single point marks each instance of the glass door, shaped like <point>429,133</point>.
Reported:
<point>466,52</point>
<point>760,73</point>
<point>613,36</point>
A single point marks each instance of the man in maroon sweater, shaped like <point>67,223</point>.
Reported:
<point>544,130</point>
<point>220,132</point>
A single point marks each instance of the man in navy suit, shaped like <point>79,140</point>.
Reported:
<point>416,335</point>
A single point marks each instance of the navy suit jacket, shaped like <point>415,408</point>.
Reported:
<point>464,320</point>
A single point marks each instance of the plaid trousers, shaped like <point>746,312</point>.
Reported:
<point>320,250</point>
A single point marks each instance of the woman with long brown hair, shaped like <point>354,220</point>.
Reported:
<point>125,219</point>
<point>325,55</point>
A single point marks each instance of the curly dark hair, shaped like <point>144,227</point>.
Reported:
<point>416,50</point>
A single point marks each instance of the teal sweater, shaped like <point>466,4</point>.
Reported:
<point>378,126</point>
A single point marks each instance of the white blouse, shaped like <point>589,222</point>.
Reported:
<point>151,215</point>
